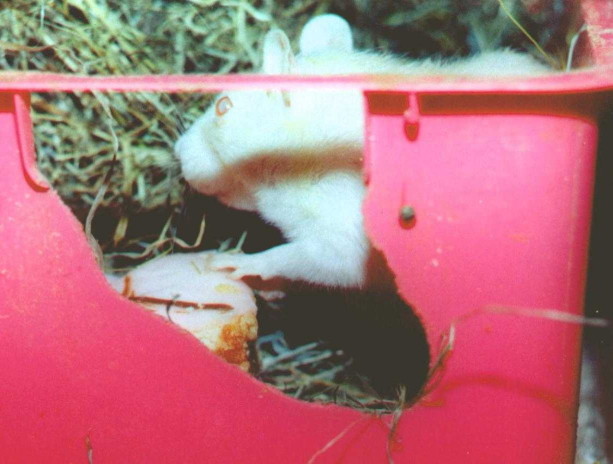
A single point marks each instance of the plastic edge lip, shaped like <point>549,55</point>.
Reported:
<point>599,79</point>
<point>25,140</point>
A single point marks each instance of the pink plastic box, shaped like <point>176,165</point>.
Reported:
<point>499,175</point>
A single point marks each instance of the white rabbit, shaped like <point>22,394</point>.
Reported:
<point>295,156</point>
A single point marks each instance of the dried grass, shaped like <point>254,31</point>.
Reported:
<point>318,373</point>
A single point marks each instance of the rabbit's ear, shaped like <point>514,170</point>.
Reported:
<point>326,32</point>
<point>278,56</point>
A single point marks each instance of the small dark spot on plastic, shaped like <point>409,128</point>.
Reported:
<point>406,216</point>
<point>411,130</point>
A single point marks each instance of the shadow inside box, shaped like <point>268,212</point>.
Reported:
<point>378,333</point>
<point>595,429</point>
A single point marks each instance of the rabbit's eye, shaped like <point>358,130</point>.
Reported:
<point>223,105</point>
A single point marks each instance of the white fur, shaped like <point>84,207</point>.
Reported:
<point>295,157</point>
<point>324,33</point>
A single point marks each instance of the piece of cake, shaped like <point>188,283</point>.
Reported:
<point>219,311</point>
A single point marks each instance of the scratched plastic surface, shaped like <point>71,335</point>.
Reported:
<point>499,175</point>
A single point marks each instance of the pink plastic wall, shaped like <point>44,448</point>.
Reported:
<point>502,206</point>
<point>499,175</point>
<point>81,366</point>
